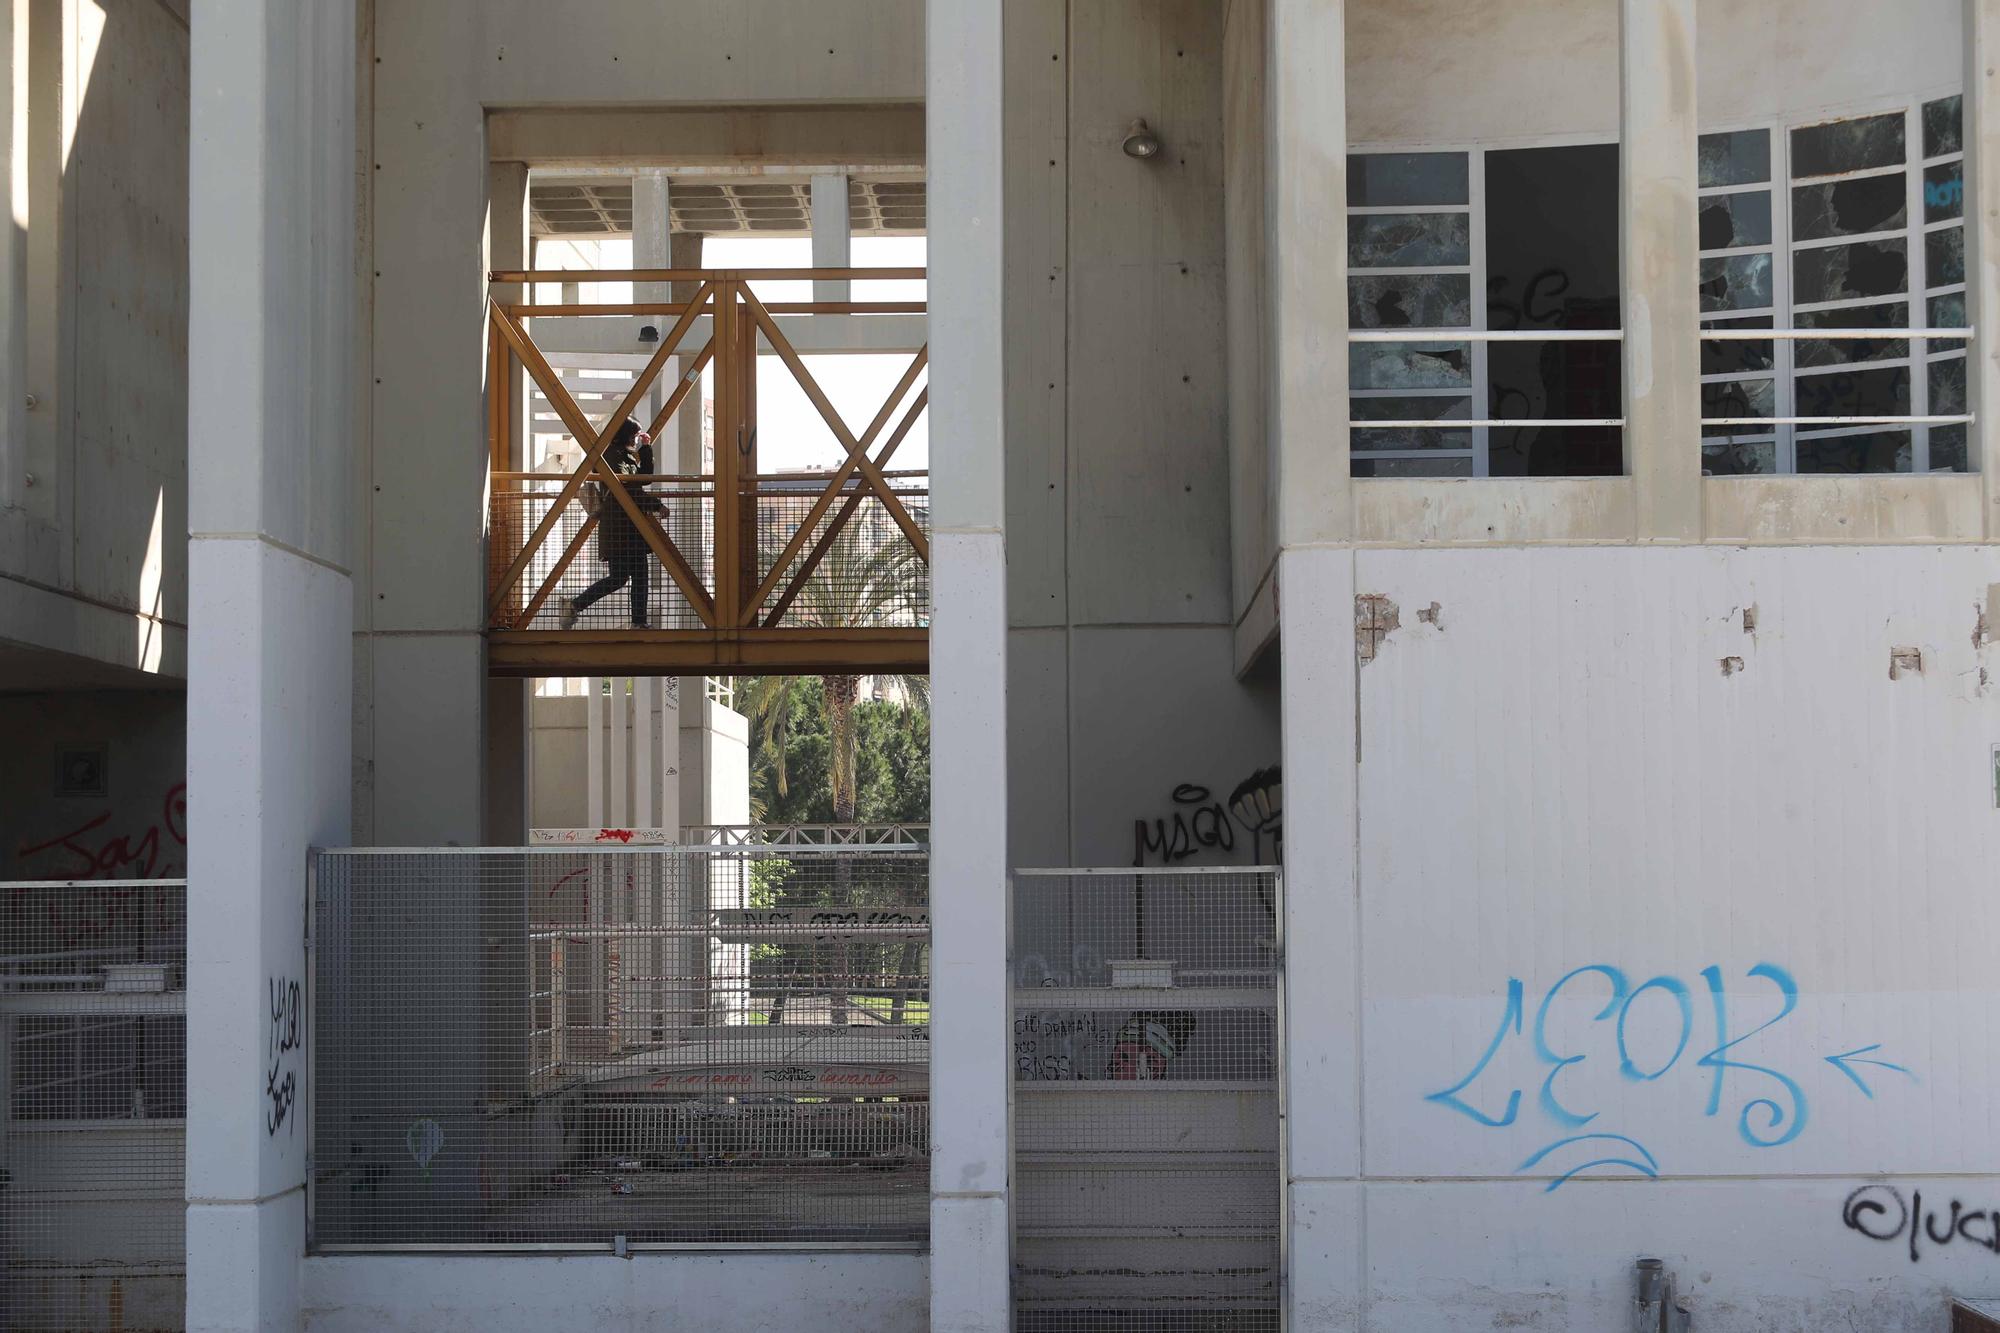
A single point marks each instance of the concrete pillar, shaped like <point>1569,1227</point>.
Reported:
<point>272,301</point>
<point>832,229</point>
<point>1306,183</point>
<point>652,247</point>
<point>1659,255</point>
<point>1982,243</point>
<point>971,1082</point>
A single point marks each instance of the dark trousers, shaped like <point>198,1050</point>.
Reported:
<point>623,568</point>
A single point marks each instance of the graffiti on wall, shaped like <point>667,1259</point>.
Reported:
<point>283,1040</point>
<point>1198,822</point>
<point>1644,1033</point>
<point>1880,1213</point>
<point>90,851</point>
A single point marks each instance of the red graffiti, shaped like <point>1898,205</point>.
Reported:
<point>119,856</point>
<point>566,879</point>
<point>614,835</point>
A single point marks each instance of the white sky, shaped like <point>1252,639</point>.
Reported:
<point>790,434</point>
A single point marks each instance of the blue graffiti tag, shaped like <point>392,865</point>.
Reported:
<point>1762,1121</point>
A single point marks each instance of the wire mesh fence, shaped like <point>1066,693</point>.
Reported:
<point>1146,1062</point>
<point>664,1046</point>
<point>857,567</point>
<point>93,1020</point>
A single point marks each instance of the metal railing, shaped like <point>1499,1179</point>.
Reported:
<point>736,551</point>
<point>93,1104</point>
<point>614,1049</point>
<point>1146,1063</point>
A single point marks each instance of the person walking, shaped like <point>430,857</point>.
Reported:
<point>619,543</point>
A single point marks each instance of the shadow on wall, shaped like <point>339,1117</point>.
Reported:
<point>97,788</point>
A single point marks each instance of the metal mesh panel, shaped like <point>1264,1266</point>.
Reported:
<point>1145,1101</point>
<point>684,512</point>
<point>93,1020</point>
<point>867,574</point>
<point>657,1046</point>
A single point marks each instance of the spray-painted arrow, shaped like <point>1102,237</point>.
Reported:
<point>1853,1057</point>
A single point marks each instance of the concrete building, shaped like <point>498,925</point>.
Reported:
<point>1550,433</point>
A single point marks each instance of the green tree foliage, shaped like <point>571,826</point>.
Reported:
<point>791,776</point>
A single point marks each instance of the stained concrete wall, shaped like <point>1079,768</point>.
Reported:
<point>1121,596</point>
<point>1647,842</point>
<point>93,327</point>
<point>137,829</point>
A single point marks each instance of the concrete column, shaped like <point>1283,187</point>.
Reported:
<point>1659,254</point>
<point>1982,243</point>
<point>652,247</point>
<point>1306,183</point>
<point>272,299</point>
<point>971,1082</point>
<point>1306,178</point>
<point>832,230</point>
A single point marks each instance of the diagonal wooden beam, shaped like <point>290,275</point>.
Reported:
<point>873,474</point>
<point>579,426</point>
<point>856,449</point>
<point>825,542</point>
<point>570,552</point>
<point>663,546</point>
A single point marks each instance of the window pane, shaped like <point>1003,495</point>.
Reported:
<point>1412,467</point>
<point>1732,220</point>
<point>1944,257</point>
<point>1942,132</point>
<point>1413,301</point>
<point>1944,191</point>
<point>1848,208</point>
<point>1948,449</point>
<point>1409,240</point>
<point>1430,408</point>
<point>1409,366</point>
<point>1738,458</point>
<point>1880,451</point>
<point>1739,398</point>
<point>1848,350</point>
<point>1733,357</point>
<point>1375,179</point>
<point>1947,312</point>
<point>1948,387</point>
<point>1865,395</point>
<point>1740,158</point>
<point>1839,146</point>
<point>1736,282</point>
<point>1845,272</point>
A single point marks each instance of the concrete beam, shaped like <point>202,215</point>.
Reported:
<point>1659,255</point>
<point>684,137</point>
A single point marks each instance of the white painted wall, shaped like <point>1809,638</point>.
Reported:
<point>755,1293</point>
<point>1585,760</point>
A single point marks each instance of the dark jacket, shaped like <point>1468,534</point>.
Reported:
<point>617,540</point>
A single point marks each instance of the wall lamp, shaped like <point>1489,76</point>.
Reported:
<point>1140,141</point>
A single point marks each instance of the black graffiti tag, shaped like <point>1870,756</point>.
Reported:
<point>1879,1213</point>
<point>284,1036</point>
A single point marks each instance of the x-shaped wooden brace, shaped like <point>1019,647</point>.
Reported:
<point>857,456</point>
<point>593,463</point>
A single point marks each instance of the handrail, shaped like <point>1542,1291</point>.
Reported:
<point>529,308</point>
<point>518,275</point>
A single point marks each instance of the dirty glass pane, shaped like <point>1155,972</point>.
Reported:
<point>1839,146</point>
<point>1730,221</point>
<point>1738,398</point>
<point>1942,132</point>
<point>1948,387</point>
<point>1376,179</point>
<point>1878,451</point>
<point>1847,272</point>
<point>1411,467</point>
<point>1849,207</point>
<point>1948,449</point>
<point>1849,350</point>
<point>1944,257</point>
<point>1736,282</point>
<point>1865,394</point>
<point>1742,157</point>
<point>1431,408</point>
<point>1732,358</point>
<point>1409,300</point>
<point>1947,312</point>
<point>1409,366</point>
<point>1409,240</point>
<point>1738,458</point>
<point>1944,191</point>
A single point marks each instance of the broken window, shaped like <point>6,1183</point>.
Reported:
<point>1871,236</point>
